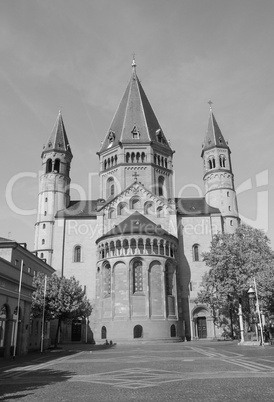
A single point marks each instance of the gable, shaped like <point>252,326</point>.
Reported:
<point>135,191</point>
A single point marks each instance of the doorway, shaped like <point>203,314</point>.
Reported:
<point>201,327</point>
<point>76,330</point>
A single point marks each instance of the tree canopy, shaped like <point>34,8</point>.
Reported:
<point>234,260</point>
<point>64,299</point>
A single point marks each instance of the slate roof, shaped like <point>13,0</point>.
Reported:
<point>214,137</point>
<point>58,140</point>
<point>194,207</point>
<point>136,224</point>
<point>79,209</point>
<point>134,113</point>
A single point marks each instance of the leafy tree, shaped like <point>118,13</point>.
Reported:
<point>64,299</point>
<point>234,261</point>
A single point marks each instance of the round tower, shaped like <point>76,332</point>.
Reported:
<point>53,188</point>
<point>218,176</point>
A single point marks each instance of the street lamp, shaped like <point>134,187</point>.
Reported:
<point>252,294</point>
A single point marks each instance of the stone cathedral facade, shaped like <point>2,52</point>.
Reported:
<point>137,249</point>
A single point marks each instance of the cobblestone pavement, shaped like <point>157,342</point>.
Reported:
<point>193,371</point>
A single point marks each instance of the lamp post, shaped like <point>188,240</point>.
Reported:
<point>240,313</point>
<point>254,294</point>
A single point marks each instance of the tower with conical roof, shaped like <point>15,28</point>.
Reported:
<point>218,175</point>
<point>135,148</point>
<point>53,187</point>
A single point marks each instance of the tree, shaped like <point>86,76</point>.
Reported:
<point>234,261</point>
<point>64,299</point>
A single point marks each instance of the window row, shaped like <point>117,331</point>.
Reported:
<point>132,157</point>
<point>160,188</point>
<point>138,273</point>
<point>136,246</point>
<point>138,331</point>
<point>212,162</point>
<point>110,162</point>
<point>123,208</point>
<point>160,160</point>
<point>53,166</point>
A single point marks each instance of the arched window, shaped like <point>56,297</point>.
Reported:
<point>49,166</point>
<point>77,254</point>
<point>103,333</point>
<point>196,252</point>
<point>222,161</point>
<point>125,246</point>
<point>161,186</point>
<point>138,331</point>
<point>149,208</point>
<point>107,279</point>
<point>112,213</point>
<point>110,190</point>
<point>160,212</point>
<point>127,157</point>
<point>43,241</point>
<point>148,246</point>
<point>211,163</point>
<point>135,203</point>
<point>57,165</point>
<point>122,208</point>
<point>137,276</point>
<point>133,245</point>
<point>143,156</point>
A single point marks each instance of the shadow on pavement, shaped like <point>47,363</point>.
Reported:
<point>19,383</point>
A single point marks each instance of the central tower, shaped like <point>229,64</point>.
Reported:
<point>135,147</point>
<point>136,280</point>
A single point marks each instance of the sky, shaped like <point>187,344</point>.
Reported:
<point>76,55</point>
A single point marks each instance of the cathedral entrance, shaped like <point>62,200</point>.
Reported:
<point>201,327</point>
<point>76,330</point>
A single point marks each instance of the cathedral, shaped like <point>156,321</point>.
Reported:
<point>137,250</point>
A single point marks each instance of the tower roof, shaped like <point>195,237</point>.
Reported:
<point>58,140</point>
<point>134,121</point>
<point>214,137</point>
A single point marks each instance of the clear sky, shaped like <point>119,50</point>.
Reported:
<point>76,55</point>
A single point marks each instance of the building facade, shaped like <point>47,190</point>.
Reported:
<point>17,268</point>
<point>137,249</point>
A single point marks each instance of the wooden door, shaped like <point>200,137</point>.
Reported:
<point>201,327</point>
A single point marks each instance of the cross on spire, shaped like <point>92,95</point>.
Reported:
<point>210,105</point>
<point>133,62</point>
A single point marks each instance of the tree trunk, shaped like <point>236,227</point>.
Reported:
<point>57,332</point>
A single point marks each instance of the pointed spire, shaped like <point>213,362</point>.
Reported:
<point>134,120</point>
<point>58,140</point>
<point>214,137</point>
